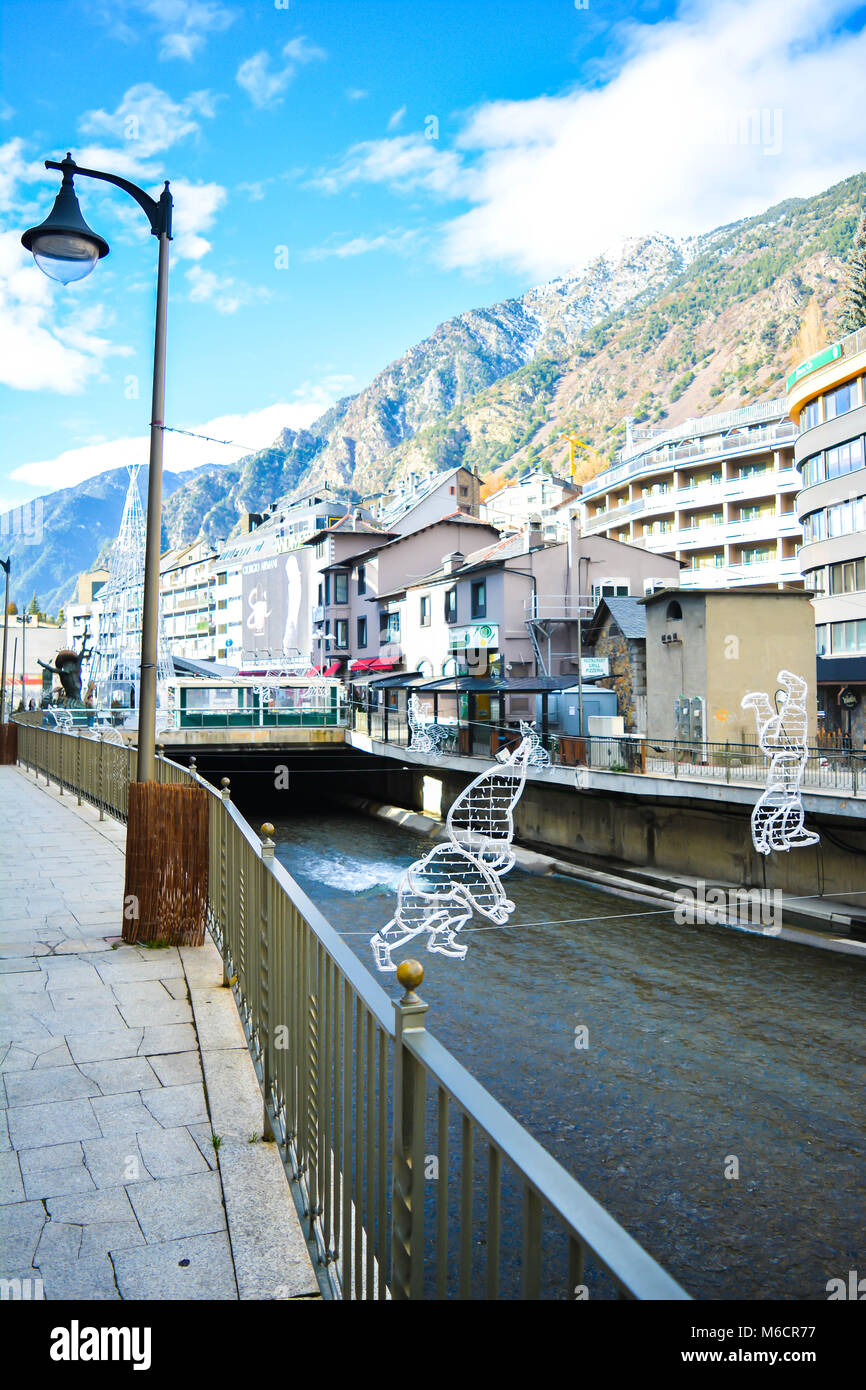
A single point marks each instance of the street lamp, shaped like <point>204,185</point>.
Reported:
<point>66,249</point>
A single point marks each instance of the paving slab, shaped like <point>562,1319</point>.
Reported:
<point>197,1267</point>
<point>118,1063</point>
<point>191,1205</point>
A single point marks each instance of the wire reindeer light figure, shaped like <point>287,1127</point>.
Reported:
<point>439,892</point>
<point>777,818</point>
<point>427,737</point>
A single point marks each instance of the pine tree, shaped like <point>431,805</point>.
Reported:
<point>852,313</point>
<point>34,606</point>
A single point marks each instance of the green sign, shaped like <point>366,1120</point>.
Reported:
<point>820,359</point>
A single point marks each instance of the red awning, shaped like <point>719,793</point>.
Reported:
<point>332,669</point>
<point>363,665</point>
<point>383,664</point>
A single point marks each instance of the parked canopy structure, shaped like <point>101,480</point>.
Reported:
<point>115,667</point>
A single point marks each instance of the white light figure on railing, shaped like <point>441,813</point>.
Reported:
<point>427,737</point>
<point>539,758</point>
<point>777,819</point>
<point>439,892</point>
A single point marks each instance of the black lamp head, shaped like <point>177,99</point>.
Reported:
<point>63,246</point>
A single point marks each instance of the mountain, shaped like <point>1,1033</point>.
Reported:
<point>656,329</point>
<point>64,533</point>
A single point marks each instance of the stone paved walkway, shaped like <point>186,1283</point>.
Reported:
<point>119,1066</point>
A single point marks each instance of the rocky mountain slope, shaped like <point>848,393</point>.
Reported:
<point>64,532</point>
<point>658,330</point>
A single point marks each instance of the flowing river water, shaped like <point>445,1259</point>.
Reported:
<point>705,1045</point>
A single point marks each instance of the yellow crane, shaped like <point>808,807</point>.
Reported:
<point>573,443</point>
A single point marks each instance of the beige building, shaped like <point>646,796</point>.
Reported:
<point>706,649</point>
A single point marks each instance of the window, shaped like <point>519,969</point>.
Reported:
<point>341,587</point>
<point>389,626</point>
<point>840,401</point>
<point>320,523</point>
<point>479,598</point>
<point>464,492</point>
<point>220,579</point>
<point>362,579</point>
<point>342,633</point>
<point>811,415</point>
<point>674,612</point>
<point>327,589</point>
<point>848,637</point>
<point>848,578</point>
<point>450,605</point>
<point>362,632</point>
<point>425,610</point>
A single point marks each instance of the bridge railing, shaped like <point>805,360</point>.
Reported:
<point>381,1130</point>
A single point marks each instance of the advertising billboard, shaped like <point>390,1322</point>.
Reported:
<point>276,604</point>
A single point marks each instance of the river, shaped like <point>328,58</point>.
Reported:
<point>704,1045</point>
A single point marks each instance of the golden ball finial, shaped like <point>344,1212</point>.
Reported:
<point>410,973</point>
<point>267,830</point>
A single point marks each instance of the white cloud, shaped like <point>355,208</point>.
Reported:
<point>396,241</point>
<point>182,25</point>
<point>356,93</point>
<point>253,430</point>
<point>226,294</point>
<point>396,118</point>
<point>148,121</point>
<point>264,86</point>
<point>694,121</point>
<point>51,339</point>
<point>713,115</point>
<point>405,163</point>
<point>195,207</point>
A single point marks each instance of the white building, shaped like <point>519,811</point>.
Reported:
<point>421,499</point>
<point>536,498</point>
<point>718,493</point>
<point>186,586</point>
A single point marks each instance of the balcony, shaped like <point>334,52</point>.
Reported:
<point>667,456</point>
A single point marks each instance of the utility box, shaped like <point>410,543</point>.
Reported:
<point>606,725</point>
<point>563,709</point>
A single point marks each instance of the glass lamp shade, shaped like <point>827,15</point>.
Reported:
<point>63,246</point>
<point>65,257</point>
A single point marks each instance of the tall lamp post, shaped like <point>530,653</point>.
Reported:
<point>66,249</point>
<point>7,565</point>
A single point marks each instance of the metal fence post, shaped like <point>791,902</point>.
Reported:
<point>101,776</point>
<point>60,776</point>
<point>226,796</point>
<point>78,766</point>
<point>407,1196</point>
<point>265,973</point>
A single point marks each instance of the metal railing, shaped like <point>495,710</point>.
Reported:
<point>829,769</point>
<point>345,1074</point>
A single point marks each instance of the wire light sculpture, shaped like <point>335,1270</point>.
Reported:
<point>777,818</point>
<point>538,758</point>
<point>426,737</point>
<point>440,892</point>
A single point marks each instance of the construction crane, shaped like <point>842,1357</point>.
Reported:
<point>573,443</point>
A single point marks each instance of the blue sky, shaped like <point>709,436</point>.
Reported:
<point>349,173</point>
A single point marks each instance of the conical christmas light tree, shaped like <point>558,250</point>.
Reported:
<point>115,668</point>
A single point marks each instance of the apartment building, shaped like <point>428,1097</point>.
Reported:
<point>537,498</point>
<point>420,499</point>
<point>188,600</point>
<point>718,493</point>
<point>264,602</point>
<point>515,605</point>
<point>360,593</point>
<point>82,616</point>
<point>827,399</point>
